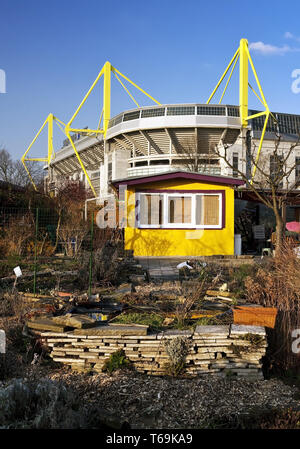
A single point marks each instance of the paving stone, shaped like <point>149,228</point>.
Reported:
<point>112,330</point>
<point>216,330</point>
<point>174,333</point>
<point>237,329</point>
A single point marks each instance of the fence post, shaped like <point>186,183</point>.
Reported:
<point>91,255</point>
<point>35,249</point>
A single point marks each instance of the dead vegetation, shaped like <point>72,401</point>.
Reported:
<point>177,350</point>
<point>49,404</point>
<point>147,402</point>
<point>278,286</point>
<point>207,297</point>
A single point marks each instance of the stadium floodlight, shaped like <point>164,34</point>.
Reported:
<point>106,71</point>
<point>243,54</point>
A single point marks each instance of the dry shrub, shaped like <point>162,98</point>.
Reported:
<point>107,264</point>
<point>48,404</point>
<point>106,267</point>
<point>18,234</point>
<point>19,351</point>
<point>43,404</point>
<point>44,246</point>
<point>18,238</point>
<point>281,419</point>
<point>13,304</point>
<point>177,350</point>
<point>259,419</point>
<point>73,231</point>
<point>194,295</point>
<point>11,365</point>
<point>278,285</point>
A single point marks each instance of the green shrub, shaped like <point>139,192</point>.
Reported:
<point>117,360</point>
<point>153,320</point>
<point>206,321</point>
<point>238,277</point>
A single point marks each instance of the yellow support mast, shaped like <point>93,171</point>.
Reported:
<point>243,82</point>
<point>106,71</point>
<point>49,121</point>
<point>243,54</point>
<point>106,96</point>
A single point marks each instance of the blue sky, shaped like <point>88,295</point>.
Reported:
<point>51,52</point>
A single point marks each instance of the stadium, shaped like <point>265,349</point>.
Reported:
<point>150,140</point>
<point>208,152</point>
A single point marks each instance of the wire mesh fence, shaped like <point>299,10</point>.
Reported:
<point>39,235</point>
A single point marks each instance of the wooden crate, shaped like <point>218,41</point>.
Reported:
<point>255,316</point>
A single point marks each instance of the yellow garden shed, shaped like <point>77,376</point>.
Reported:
<point>179,214</point>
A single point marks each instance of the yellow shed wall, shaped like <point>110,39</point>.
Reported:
<point>181,242</point>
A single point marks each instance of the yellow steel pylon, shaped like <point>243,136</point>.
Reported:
<point>243,54</point>
<point>106,71</point>
<point>49,121</point>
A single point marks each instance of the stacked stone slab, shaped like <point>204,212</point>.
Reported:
<point>224,350</point>
<point>216,350</point>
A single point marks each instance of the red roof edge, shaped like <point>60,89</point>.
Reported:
<point>180,174</point>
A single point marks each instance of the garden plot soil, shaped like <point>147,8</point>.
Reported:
<point>155,402</point>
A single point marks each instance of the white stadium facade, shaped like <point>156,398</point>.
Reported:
<point>156,139</point>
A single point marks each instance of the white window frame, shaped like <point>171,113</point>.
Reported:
<point>166,224</point>
<point>138,213</point>
<point>221,211</point>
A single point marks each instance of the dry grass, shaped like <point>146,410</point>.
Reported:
<point>278,285</point>
<point>18,235</point>
<point>20,349</point>
<point>194,296</point>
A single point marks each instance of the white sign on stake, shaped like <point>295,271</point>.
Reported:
<point>2,342</point>
<point>18,272</point>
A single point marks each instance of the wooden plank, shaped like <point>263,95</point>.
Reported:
<point>218,293</point>
<point>61,340</point>
<point>45,324</point>
<point>116,331</point>
<point>68,360</point>
<point>77,321</point>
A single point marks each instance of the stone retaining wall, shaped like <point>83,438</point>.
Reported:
<point>216,350</point>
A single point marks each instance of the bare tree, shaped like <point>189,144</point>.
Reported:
<point>69,206</point>
<point>272,171</point>
<point>15,173</point>
<point>195,161</point>
<point>21,177</point>
<point>6,166</point>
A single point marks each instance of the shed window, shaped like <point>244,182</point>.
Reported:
<point>174,210</point>
<point>151,210</point>
<point>207,210</point>
<point>179,208</point>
